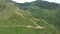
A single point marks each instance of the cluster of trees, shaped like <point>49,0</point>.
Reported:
<point>41,4</point>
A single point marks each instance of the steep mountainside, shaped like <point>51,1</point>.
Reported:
<point>17,21</point>
<point>43,10</point>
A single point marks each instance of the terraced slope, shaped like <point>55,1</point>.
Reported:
<point>16,21</point>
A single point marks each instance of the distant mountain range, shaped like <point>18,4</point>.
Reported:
<point>40,4</point>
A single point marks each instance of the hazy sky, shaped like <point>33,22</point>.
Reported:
<point>23,1</point>
<point>56,1</point>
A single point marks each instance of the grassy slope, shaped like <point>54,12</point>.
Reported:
<point>43,10</point>
<point>51,16</point>
<point>16,21</point>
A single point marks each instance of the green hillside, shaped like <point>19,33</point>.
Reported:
<point>17,21</point>
<point>48,11</point>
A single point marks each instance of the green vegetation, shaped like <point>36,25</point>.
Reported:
<point>43,10</point>
<point>17,21</point>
